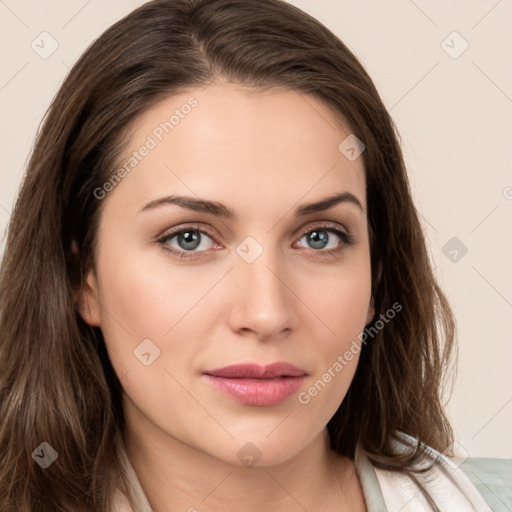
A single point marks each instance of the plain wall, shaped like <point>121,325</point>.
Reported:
<point>452,109</point>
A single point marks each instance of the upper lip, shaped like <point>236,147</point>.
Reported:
<point>257,371</point>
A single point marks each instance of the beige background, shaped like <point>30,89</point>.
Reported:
<point>453,111</point>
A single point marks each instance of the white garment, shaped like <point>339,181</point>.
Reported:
<point>444,488</point>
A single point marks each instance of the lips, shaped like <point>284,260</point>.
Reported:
<point>255,371</point>
<point>257,385</point>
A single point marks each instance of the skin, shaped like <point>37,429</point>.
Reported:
<point>261,154</point>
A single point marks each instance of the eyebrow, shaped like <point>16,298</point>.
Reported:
<point>221,210</point>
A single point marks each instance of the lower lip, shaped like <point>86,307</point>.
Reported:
<point>261,392</point>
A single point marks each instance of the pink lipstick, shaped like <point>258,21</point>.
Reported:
<point>254,384</point>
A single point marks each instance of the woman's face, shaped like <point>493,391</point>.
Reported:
<point>272,283</point>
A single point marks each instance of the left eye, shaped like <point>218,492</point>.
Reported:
<point>319,238</point>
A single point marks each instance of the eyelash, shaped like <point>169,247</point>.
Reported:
<point>346,240</point>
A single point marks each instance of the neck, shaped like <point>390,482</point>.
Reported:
<point>175,476</point>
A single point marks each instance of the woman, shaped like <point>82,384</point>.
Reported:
<point>215,293</point>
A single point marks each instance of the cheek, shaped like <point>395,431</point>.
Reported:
<point>151,290</point>
<point>340,298</point>
<point>339,301</point>
<point>337,351</point>
<point>149,298</point>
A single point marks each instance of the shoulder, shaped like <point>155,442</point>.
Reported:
<point>478,484</point>
<point>493,479</point>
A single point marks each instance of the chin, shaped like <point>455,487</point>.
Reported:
<point>261,449</point>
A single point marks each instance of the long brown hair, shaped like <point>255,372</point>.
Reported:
<point>56,381</point>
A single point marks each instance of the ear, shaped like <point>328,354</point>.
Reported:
<point>87,294</point>
<point>89,305</point>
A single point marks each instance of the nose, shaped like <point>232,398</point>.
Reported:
<point>262,303</point>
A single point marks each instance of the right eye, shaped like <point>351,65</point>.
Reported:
<point>189,240</point>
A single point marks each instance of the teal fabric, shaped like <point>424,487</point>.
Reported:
<point>493,479</point>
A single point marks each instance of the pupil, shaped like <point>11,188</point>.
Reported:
<point>318,239</point>
<point>190,239</point>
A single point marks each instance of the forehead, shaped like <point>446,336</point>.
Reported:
<point>236,145</point>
